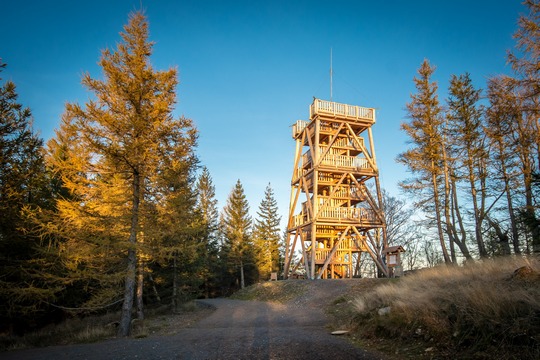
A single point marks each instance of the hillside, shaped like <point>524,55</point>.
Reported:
<point>445,312</point>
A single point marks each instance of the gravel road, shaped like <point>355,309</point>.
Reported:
<point>235,330</point>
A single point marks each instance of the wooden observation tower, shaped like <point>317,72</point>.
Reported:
<point>333,215</point>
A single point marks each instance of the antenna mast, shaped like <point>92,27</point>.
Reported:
<point>330,74</point>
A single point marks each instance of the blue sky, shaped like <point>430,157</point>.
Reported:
<point>250,69</point>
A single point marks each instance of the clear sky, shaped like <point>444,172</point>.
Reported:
<point>250,69</point>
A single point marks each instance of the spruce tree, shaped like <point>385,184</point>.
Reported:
<point>207,204</point>
<point>24,186</point>
<point>208,212</point>
<point>236,229</point>
<point>266,235</point>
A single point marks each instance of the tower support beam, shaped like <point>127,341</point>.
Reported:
<point>332,215</point>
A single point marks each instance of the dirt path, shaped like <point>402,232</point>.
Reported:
<point>235,330</point>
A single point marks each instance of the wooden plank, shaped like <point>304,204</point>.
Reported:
<point>332,252</point>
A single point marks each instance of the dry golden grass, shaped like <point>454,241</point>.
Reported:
<point>276,291</point>
<point>472,310</point>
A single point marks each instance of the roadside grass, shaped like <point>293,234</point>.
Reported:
<point>89,329</point>
<point>476,311</point>
<point>276,291</point>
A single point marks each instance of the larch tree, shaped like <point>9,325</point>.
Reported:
<point>236,231</point>
<point>266,235</point>
<point>465,138</point>
<point>523,142</point>
<point>425,157</point>
<point>501,113</point>
<point>526,65</point>
<point>526,60</point>
<point>122,157</point>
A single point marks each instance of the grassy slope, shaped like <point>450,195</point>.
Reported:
<point>471,312</point>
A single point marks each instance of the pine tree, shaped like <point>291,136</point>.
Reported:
<point>123,158</point>
<point>236,229</point>
<point>266,235</point>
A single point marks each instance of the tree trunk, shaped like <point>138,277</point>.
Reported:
<point>511,213</point>
<point>503,237</point>
<point>509,200</point>
<point>242,283</point>
<point>531,220</point>
<point>447,201</point>
<point>129,287</point>
<point>478,216</point>
<point>156,294</point>
<point>175,285</point>
<point>140,284</point>
<point>438,218</point>
<point>462,242</point>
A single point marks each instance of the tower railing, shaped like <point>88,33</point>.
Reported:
<point>298,127</point>
<point>344,161</point>
<point>325,107</point>
<point>360,215</point>
<point>347,213</point>
<point>337,161</point>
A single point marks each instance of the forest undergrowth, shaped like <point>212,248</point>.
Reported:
<point>158,321</point>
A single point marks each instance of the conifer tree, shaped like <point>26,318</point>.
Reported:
<point>526,65</point>
<point>173,228</point>
<point>266,235</point>
<point>500,115</point>
<point>24,184</point>
<point>425,157</point>
<point>207,209</point>
<point>465,139</point>
<point>123,158</point>
<point>526,60</point>
<point>236,229</point>
<point>22,179</point>
<point>207,205</point>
